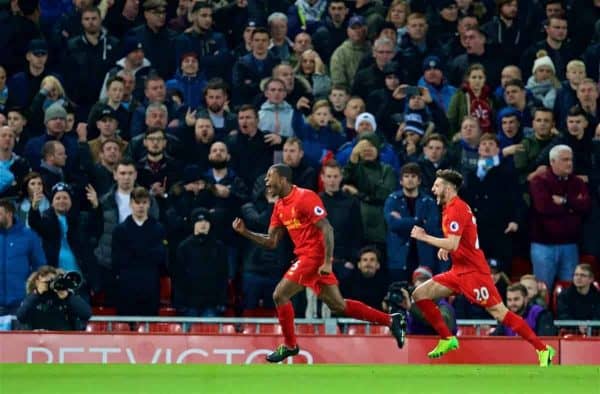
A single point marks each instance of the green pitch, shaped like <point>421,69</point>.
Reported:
<point>289,379</point>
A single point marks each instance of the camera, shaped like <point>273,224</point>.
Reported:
<point>412,91</point>
<point>69,281</point>
<point>395,297</point>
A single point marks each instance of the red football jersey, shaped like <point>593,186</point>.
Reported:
<point>457,219</point>
<point>298,212</point>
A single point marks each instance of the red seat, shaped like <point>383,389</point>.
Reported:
<point>167,311</point>
<point>520,266</point>
<point>96,326</point>
<point>361,329</point>
<point>97,299</point>
<point>211,328</point>
<point>259,312</point>
<point>104,311</point>
<point>204,328</point>
<point>165,327</point>
<point>165,291</point>
<point>120,327</point>
<point>269,329</point>
<point>466,330</point>
<point>308,329</point>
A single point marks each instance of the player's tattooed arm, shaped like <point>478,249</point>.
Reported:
<point>269,241</point>
<point>328,238</point>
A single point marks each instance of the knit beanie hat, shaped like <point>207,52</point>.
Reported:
<point>365,117</point>
<point>61,187</point>
<point>414,123</point>
<point>55,111</point>
<point>372,138</point>
<point>543,61</point>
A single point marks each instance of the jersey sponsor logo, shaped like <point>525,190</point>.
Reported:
<point>319,211</point>
<point>454,226</point>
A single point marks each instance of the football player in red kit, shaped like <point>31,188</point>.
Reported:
<point>470,274</point>
<point>301,212</point>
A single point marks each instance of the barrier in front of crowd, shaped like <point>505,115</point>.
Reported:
<point>245,341</point>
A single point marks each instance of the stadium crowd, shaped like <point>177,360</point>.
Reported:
<point>132,133</point>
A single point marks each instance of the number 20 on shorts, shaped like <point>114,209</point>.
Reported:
<point>482,294</point>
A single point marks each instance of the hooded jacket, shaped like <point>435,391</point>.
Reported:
<point>21,254</point>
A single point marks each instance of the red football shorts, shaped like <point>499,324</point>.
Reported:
<point>477,287</point>
<point>306,273</point>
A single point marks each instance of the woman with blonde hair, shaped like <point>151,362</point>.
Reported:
<point>311,67</point>
<point>398,14</point>
<point>51,92</point>
<point>536,295</point>
<point>322,134</point>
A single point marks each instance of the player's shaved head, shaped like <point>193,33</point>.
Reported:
<point>450,176</point>
<point>283,171</point>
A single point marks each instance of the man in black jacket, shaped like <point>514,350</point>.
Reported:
<point>138,257</point>
<point>200,271</point>
<point>86,61</point>
<point>581,301</point>
<point>492,193</point>
<point>156,38</point>
<point>344,215</point>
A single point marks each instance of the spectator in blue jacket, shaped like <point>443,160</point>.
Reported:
<point>402,210</point>
<point>189,80</point>
<point>433,79</point>
<point>21,254</point>
<point>322,135</point>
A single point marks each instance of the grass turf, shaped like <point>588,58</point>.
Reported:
<point>290,379</point>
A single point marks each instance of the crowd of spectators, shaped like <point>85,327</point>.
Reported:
<point>133,132</point>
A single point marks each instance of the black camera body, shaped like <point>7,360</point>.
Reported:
<point>395,297</point>
<point>69,281</point>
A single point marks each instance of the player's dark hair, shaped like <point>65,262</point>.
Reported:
<point>517,287</point>
<point>283,171</point>
<point>451,176</point>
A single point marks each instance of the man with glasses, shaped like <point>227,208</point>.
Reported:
<point>581,301</point>
<point>157,171</point>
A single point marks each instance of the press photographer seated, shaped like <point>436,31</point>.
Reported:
<point>51,302</point>
<point>398,300</point>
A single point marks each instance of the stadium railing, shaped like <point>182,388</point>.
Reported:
<point>332,326</point>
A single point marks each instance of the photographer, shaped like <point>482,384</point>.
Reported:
<point>398,300</point>
<point>51,302</point>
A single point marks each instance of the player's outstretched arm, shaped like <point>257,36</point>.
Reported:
<point>328,238</point>
<point>449,243</point>
<point>269,241</point>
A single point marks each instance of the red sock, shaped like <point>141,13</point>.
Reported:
<point>432,314</point>
<point>285,314</point>
<point>518,325</point>
<point>360,311</point>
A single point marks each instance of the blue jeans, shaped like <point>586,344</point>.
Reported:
<point>552,261</point>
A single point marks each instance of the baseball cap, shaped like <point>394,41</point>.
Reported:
<point>391,68</point>
<point>357,20</point>
<point>431,62</point>
<point>107,112</point>
<point>200,214</point>
<point>38,47</point>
